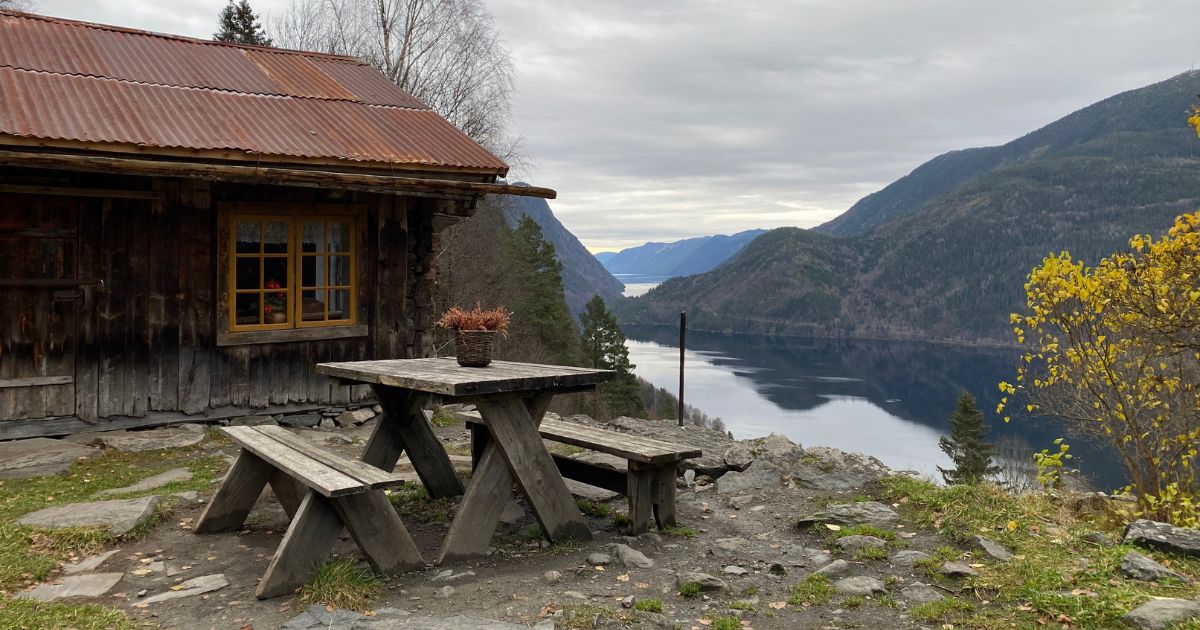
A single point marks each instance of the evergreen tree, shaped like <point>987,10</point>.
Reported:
<point>967,445</point>
<point>603,345</point>
<point>540,309</point>
<point>239,25</point>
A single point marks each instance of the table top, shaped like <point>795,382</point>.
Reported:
<point>443,375</point>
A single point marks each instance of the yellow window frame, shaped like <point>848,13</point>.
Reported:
<point>295,258</point>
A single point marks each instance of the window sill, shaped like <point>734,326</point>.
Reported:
<point>290,335</point>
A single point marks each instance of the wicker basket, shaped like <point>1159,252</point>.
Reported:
<point>474,347</point>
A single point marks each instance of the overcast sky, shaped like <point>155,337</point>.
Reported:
<point>660,120</point>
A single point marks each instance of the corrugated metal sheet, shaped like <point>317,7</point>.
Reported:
<point>64,80</point>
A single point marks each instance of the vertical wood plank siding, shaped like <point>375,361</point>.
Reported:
<point>145,341</point>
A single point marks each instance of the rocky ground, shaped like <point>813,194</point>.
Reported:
<point>772,535</point>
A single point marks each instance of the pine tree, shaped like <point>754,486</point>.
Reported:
<point>967,445</point>
<point>604,347</point>
<point>239,25</point>
<point>540,309</point>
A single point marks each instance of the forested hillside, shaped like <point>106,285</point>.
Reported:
<point>943,252</point>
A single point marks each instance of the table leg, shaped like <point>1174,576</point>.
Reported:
<point>404,429</point>
<point>234,499</point>
<point>379,532</point>
<point>489,491</point>
<point>515,436</point>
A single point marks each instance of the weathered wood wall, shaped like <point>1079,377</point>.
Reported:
<point>146,343</point>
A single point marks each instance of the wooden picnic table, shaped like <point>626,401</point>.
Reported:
<point>512,398</point>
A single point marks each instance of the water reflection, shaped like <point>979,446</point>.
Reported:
<point>888,399</point>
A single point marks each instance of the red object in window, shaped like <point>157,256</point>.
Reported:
<point>268,308</point>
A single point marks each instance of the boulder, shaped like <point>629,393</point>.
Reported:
<point>90,585</point>
<point>738,457</point>
<point>40,456</point>
<point>631,557</point>
<point>829,469</point>
<point>862,512</point>
<point>1164,536</point>
<point>835,568</point>
<point>859,585</point>
<point>119,516</point>
<point>991,548</point>
<point>707,582</point>
<point>599,559</point>
<point>1139,567</point>
<point>919,593</point>
<point>150,483</point>
<point>1160,614</point>
<point>763,473</point>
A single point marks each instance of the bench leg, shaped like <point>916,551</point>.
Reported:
<point>404,429</point>
<point>307,541</point>
<point>379,532</point>
<point>289,492</point>
<point>236,496</point>
<point>641,499</point>
<point>664,495</point>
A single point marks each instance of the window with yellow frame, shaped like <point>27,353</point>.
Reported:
<point>291,271</point>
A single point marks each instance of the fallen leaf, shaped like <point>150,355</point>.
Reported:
<point>641,585</point>
<point>777,605</point>
<point>600,568</point>
<point>624,577</point>
<point>140,571</point>
<point>908,534</point>
<point>179,587</point>
<point>976,565</point>
<point>833,528</point>
<point>1012,526</point>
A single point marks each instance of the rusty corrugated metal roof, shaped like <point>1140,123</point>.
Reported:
<point>74,81</point>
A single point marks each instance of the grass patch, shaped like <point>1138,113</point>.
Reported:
<point>620,520</point>
<point>592,508</point>
<point>689,589</point>
<point>887,601</point>
<point>679,532</point>
<point>583,616</point>
<point>726,623</point>
<point>814,591</point>
<point>648,605</point>
<point>341,584</point>
<point>25,613</point>
<point>741,604</point>
<point>865,530</point>
<point>534,534</point>
<point>1055,576</point>
<point>871,553</point>
<point>854,601</point>
<point>412,502</point>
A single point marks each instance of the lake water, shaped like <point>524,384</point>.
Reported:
<point>888,399</point>
<point>637,284</point>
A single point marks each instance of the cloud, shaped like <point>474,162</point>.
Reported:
<point>664,120</point>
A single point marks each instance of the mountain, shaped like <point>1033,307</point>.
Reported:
<point>583,276</point>
<point>680,258</point>
<point>943,252</point>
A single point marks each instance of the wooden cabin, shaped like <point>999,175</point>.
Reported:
<point>187,227</point>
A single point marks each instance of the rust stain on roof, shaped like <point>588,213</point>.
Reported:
<point>66,80</point>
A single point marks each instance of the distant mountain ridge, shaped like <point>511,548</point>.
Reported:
<point>943,252</point>
<point>583,276</point>
<point>678,258</point>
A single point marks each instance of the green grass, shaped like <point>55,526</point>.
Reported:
<point>679,532</point>
<point>443,418</point>
<point>649,605</point>
<point>592,508</point>
<point>1055,576</point>
<point>689,589</point>
<point>534,534</point>
<point>726,623</point>
<point>871,553</point>
<point>25,613</point>
<point>814,591</point>
<point>741,604</point>
<point>342,584</point>
<point>854,601</point>
<point>412,502</point>
<point>620,520</point>
<point>583,616</point>
<point>865,530</point>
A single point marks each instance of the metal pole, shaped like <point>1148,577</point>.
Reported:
<point>682,337</point>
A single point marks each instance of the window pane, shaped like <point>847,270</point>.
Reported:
<point>247,273</point>
<point>312,235</point>
<point>339,271</point>
<point>312,271</point>
<point>339,236</point>
<point>275,309</point>
<point>247,237</point>
<point>339,304</point>
<point>275,237</point>
<point>275,273</point>
<point>247,309</point>
<point>312,305</point>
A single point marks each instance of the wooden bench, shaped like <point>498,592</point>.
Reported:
<point>648,481</point>
<point>322,492</point>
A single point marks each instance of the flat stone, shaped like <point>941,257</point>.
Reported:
<point>457,622</point>
<point>90,585</point>
<point>860,542</point>
<point>1167,537</point>
<point>991,548</point>
<point>728,547</point>
<point>194,427</point>
<point>118,515</point>
<point>552,577</point>
<point>592,493</point>
<point>192,587</point>
<point>957,569</point>
<point>1139,567</point>
<point>36,457</point>
<point>191,496</point>
<point>88,564</point>
<point>835,568</point>
<point>735,570</point>
<point>631,557</point>
<point>919,593</point>
<point>599,559</point>
<point>301,420</point>
<point>252,421</point>
<point>1160,614</point>
<point>908,558</point>
<point>808,557</point>
<point>859,585</point>
<point>351,418</point>
<point>150,483</point>
<point>140,441</point>
<point>448,575</point>
<point>738,457</point>
<point>707,582</point>
<point>850,514</point>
